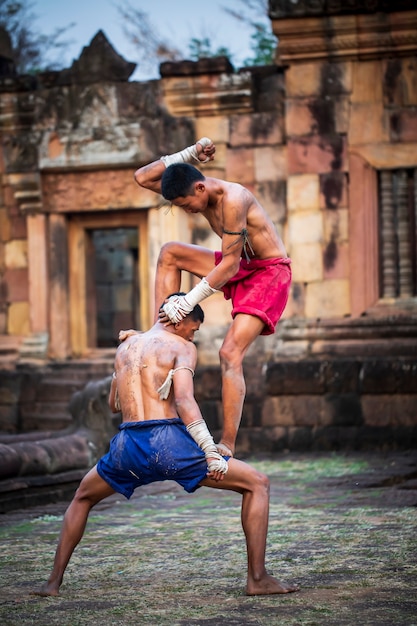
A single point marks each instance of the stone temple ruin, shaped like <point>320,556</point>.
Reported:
<point>326,139</point>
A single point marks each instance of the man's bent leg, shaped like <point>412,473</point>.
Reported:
<point>174,258</point>
<point>254,487</point>
<point>92,490</point>
<point>241,334</point>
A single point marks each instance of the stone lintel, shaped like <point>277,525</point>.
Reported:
<point>386,155</point>
<point>212,65</point>
<point>346,37</point>
<point>279,9</point>
<point>208,95</point>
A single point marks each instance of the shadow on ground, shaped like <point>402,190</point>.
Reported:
<point>341,526</point>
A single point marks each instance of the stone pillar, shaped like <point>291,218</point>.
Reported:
<point>59,288</point>
<point>38,272</point>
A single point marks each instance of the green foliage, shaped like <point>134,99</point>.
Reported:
<point>202,49</point>
<point>263,46</point>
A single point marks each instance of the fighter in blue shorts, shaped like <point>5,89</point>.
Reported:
<point>164,437</point>
<point>135,457</point>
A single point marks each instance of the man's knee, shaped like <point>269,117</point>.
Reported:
<point>262,481</point>
<point>258,483</point>
<point>230,355</point>
<point>169,253</point>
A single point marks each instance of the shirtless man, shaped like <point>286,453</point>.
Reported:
<point>164,437</point>
<point>252,268</point>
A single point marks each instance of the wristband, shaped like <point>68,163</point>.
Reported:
<point>179,307</point>
<point>201,435</point>
<point>188,154</point>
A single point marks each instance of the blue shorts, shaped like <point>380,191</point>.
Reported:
<point>151,451</point>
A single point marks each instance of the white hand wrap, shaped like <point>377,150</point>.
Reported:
<point>201,435</point>
<point>188,155</point>
<point>179,307</point>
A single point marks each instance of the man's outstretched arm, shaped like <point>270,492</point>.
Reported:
<point>149,176</point>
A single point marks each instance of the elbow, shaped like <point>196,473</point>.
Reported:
<point>235,268</point>
<point>139,177</point>
<point>231,269</point>
<point>183,406</point>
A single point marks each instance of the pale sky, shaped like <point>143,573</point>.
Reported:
<point>176,20</point>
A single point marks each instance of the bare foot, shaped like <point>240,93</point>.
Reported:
<point>46,590</point>
<point>268,585</point>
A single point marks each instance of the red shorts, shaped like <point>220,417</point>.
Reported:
<point>260,288</point>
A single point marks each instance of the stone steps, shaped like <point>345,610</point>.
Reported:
<point>41,391</point>
<point>45,415</point>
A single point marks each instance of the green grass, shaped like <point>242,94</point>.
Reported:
<point>179,560</point>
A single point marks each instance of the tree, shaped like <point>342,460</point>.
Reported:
<point>202,49</point>
<point>31,50</point>
<point>264,41</point>
<point>139,30</point>
<point>152,49</point>
<point>263,46</point>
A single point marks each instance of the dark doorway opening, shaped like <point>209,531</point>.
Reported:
<point>116,304</point>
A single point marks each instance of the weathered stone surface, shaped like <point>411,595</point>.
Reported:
<point>270,164</point>
<point>298,377</point>
<point>5,226</point>
<point>336,260</point>
<point>399,77</point>
<point>18,319</point>
<point>307,265</point>
<point>395,411</point>
<point>209,65</point>
<point>333,190</point>
<point>257,129</point>
<point>10,461</point>
<point>342,409</point>
<point>389,376</point>
<point>215,127</point>
<point>207,383</point>
<point>403,125</point>
<point>100,62</point>
<point>367,82</point>
<point>300,438</point>
<point>303,192</point>
<point>18,287</point>
<point>331,297</point>
<point>16,254</point>
<point>305,227</point>
<point>288,8</point>
<point>368,124</point>
<point>240,166</point>
<point>9,417</point>
<point>272,196</point>
<point>96,191</point>
<point>342,376</point>
<point>316,154</point>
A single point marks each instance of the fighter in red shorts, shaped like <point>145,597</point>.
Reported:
<point>252,268</point>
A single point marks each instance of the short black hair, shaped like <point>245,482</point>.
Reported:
<point>197,314</point>
<point>178,179</point>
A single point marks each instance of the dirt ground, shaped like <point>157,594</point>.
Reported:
<point>341,526</point>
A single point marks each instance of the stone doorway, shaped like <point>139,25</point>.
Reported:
<point>108,278</point>
<point>114,300</point>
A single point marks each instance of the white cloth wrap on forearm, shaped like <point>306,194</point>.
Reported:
<point>179,307</point>
<point>201,435</point>
<point>188,155</point>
